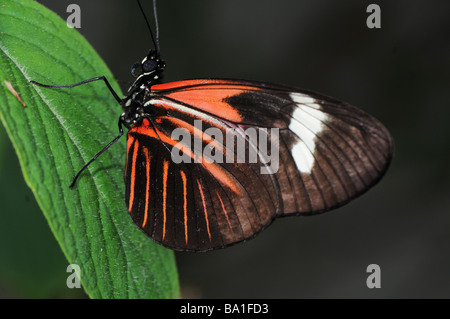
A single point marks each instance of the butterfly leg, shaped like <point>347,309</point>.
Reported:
<point>99,153</point>
<point>118,99</point>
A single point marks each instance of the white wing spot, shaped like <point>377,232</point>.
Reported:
<point>307,122</point>
<point>301,98</point>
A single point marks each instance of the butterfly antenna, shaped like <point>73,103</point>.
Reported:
<point>155,13</point>
<point>154,40</point>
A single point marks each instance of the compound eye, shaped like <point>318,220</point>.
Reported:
<point>149,65</point>
<point>136,69</point>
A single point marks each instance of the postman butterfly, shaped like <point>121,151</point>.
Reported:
<point>323,153</point>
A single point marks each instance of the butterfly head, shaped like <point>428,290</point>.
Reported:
<point>149,69</point>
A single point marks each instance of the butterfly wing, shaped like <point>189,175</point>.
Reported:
<point>328,153</point>
<point>196,204</point>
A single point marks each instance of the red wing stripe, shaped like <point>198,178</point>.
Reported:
<point>183,177</point>
<point>130,140</point>
<point>187,83</point>
<point>204,208</point>
<point>133,175</point>
<point>216,170</point>
<point>224,210</point>
<point>165,173</point>
<point>206,138</point>
<point>212,101</point>
<point>148,158</point>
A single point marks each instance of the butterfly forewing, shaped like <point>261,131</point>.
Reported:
<point>328,153</point>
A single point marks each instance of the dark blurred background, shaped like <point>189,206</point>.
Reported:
<point>400,74</point>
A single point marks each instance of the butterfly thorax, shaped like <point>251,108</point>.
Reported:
<point>147,73</point>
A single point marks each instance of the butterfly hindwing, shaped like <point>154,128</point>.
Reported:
<point>193,206</point>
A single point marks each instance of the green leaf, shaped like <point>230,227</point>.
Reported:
<point>46,275</point>
<point>57,132</point>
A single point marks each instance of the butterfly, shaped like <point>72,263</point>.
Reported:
<point>212,162</point>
